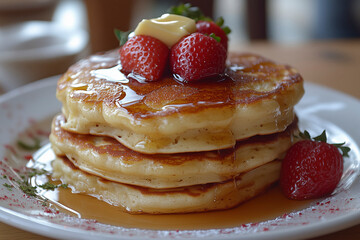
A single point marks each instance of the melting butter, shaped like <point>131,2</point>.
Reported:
<point>169,28</point>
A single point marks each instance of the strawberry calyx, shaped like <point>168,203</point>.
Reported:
<point>323,138</point>
<point>217,38</point>
<point>220,22</point>
<point>187,10</point>
<point>195,13</point>
<point>122,36</point>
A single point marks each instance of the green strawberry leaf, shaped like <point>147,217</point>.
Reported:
<point>195,13</point>
<point>226,29</point>
<point>218,39</point>
<point>122,36</point>
<point>344,150</point>
<point>305,135</point>
<point>187,10</point>
<point>220,22</point>
<point>322,138</point>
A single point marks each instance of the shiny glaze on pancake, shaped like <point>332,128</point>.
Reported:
<point>113,148</point>
<point>249,78</point>
<point>194,198</point>
<point>194,190</point>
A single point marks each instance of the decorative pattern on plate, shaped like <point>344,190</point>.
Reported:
<point>25,116</point>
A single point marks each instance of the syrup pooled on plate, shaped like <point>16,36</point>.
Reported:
<point>267,206</point>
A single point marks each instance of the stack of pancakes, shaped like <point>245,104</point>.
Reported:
<point>171,147</point>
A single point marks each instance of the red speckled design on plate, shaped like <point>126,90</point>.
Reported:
<point>14,163</point>
<point>27,109</point>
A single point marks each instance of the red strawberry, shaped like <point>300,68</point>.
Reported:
<point>208,27</point>
<point>311,169</point>
<point>197,56</point>
<point>145,56</point>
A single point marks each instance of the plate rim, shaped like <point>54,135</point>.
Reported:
<point>315,229</point>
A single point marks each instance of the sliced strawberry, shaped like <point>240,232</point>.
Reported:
<point>208,27</point>
<point>144,56</point>
<point>311,169</point>
<point>197,56</point>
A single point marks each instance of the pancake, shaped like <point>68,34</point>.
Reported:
<point>197,198</point>
<point>109,159</point>
<point>255,97</point>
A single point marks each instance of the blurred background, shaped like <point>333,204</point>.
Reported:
<point>42,38</point>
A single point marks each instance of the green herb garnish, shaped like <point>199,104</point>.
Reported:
<point>51,186</point>
<point>48,186</point>
<point>27,188</point>
<point>45,202</point>
<point>36,172</point>
<point>32,190</point>
<point>8,186</point>
<point>29,147</point>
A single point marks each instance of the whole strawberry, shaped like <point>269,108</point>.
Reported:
<point>312,169</point>
<point>196,57</point>
<point>210,27</point>
<point>144,56</point>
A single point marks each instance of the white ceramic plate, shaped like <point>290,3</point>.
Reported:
<point>36,49</point>
<point>321,108</point>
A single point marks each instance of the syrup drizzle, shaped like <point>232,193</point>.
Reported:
<point>111,74</point>
<point>247,79</point>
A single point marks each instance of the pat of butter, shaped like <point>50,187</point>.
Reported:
<point>169,28</point>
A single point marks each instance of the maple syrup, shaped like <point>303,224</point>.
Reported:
<point>105,83</point>
<point>267,206</point>
<point>249,78</point>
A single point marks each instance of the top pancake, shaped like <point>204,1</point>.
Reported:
<point>255,97</point>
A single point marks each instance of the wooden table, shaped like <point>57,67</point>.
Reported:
<point>335,64</point>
